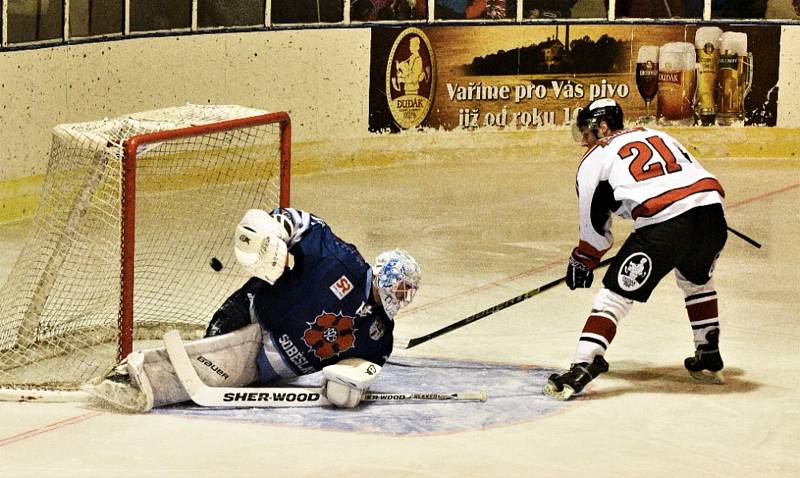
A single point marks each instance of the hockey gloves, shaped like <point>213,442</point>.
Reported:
<point>579,272</point>
<point>345,382</point>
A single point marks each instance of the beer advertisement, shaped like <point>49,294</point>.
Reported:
<point>539,76</point>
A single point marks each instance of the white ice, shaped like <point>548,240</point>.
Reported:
<point>489,217</point>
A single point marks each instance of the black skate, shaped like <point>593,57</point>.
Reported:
<point>571,382</point>
<point>706,365</point>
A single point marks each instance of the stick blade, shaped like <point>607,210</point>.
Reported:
<point>401,342</point>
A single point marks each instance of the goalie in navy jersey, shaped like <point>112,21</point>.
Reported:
<point>679,224</point>
<point>312,304</point>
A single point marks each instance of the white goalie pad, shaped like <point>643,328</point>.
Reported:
<point>225,360</point>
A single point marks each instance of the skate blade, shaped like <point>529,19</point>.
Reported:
<point>707,376</point>
<point>564,394</point>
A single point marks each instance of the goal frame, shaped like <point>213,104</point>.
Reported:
<point>131,146</point>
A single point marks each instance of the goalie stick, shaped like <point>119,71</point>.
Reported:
<point>207,396</point>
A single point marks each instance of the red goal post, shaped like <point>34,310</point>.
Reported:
<point>131,146</point>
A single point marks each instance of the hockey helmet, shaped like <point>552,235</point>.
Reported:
<point>605,109</point>
<point>396,275</point>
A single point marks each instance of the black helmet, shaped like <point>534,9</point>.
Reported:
<point>604,109</point>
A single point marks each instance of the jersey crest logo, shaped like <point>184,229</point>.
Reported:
<point>341,287</point>
<point>634,271</point>
<point>330,334</point>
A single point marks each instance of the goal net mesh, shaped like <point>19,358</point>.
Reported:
<point>60,306</point>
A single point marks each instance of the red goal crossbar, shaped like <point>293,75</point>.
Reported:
<point>128,227</point>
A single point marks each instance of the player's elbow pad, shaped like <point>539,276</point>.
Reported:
<point>345,382</point>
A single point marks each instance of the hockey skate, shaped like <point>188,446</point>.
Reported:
<point>706,365</point>
<point>117,390</point>
<point>579,375</point>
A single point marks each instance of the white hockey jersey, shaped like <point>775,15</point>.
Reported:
<point>638,174</point>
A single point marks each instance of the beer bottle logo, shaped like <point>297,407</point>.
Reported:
<point>410,78</point>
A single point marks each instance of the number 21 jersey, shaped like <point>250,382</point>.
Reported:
<point>640,174</point>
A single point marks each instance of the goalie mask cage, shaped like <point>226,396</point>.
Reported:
<point>131,212</point>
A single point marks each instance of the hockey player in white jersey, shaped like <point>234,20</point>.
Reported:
<point>312,303</point>
<point>679,224</point>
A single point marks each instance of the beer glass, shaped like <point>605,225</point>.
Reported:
<point>676,83</point>
<point>647,77</point>
<point>735,77</point>
<point>706,43</point>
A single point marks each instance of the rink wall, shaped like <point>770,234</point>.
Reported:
<point>321,76</point>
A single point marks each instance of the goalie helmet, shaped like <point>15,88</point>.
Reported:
<point>396,275</point>
<point>604,109</point>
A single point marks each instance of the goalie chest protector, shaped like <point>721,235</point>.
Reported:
<point>318,309</point>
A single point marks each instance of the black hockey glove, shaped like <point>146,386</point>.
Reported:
<point>579,274</point>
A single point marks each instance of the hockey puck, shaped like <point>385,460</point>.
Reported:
<point>215,264</point>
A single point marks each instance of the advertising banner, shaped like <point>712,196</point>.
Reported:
<point>535,76</point>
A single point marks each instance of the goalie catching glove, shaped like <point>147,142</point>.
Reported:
<point>260,246</point>
<point>345,382</point>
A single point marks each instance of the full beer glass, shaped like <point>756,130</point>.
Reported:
<point>706,44</point>
<point>676,83</point>
<point>735,77</point>
<point>647,77</point>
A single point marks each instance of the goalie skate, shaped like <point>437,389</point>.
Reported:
<point>565,385</point>
<point>706,365</point>
<point>116,390</point>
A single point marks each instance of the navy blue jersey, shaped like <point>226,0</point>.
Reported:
<point>318,313</point>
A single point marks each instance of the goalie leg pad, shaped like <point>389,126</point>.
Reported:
<point>225,360</point>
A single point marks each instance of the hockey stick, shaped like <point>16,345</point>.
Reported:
<point>408,343</point>
<point>745,238</point>
<point>206,396</point>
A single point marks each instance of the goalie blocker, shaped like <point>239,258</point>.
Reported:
<point>346,382</point>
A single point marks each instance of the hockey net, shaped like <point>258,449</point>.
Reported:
<point>131,212</point>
